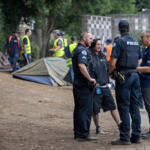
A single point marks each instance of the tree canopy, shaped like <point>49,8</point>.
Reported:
<point>59,14</point>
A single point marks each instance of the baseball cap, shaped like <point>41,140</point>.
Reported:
<point>73,38</point>
<point>62,33</point>
<point>109,41</point>
<point>123,24</point>
<point>57,32</point>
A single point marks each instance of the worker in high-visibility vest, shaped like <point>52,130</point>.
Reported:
<point>65,41</point>
<point>13,47</point>
<point>58,47</point>
<point>26,47</point>
<point>108,49</point>
<point>68,54</point>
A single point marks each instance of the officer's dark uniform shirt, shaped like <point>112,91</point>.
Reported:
<point>14,46</point>
<point>80,56</point>
<point>119,46</point>
<point>99,67</point>
<point>145,77</point>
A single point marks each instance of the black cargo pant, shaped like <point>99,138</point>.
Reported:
<point>82,111</point>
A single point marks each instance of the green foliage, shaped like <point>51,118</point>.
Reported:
<point>142,4</point>
<point>121,6</point>
<point>2,34</point>
<point>65,15</point>
<point>35,51</point>
<point>136,35</point>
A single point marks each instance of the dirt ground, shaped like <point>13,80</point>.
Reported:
<point>39,117</point>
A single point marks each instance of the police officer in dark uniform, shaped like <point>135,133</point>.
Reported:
<point>145,76</point>
<point>82,91</point>
<point>125,58</point>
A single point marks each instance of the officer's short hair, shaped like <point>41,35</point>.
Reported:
<point>83,35</point>
<point>27,30</point>
<point>146,32</point>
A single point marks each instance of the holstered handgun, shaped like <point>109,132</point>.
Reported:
<point>119,76</point>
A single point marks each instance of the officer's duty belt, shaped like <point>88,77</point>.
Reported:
<point>127,70</point>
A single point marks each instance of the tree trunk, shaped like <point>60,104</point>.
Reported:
<point>42,35</point>
<point>37,35</point>
<point>45,43</point>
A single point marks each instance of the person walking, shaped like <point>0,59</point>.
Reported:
<point>82,91</point>
<point>125,58</point>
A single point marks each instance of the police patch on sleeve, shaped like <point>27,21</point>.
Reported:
<point>114,45</point>
<point>84,52</point>
<point>83,57</point>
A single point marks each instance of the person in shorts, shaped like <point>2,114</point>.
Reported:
<point>102,97</point>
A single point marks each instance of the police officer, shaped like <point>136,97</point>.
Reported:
<point>125,57</point>
<point>145,76</point>
<point>65,41</point>
<point>81,89</point>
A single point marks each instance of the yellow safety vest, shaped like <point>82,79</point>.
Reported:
<point>71,49</point>
<point>28,45</point>
<point>65,42</point>
<point>59,52</point>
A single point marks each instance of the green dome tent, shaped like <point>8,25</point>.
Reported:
<point>50,70</point>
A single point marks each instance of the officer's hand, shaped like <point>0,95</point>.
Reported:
<point>137,69</point>
<point>93,81</point>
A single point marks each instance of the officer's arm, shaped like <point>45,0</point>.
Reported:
<point>139,62</point>
<point>112,64</point>
<point>59,45</point>
<point>84,71</point>
<point>55,48</point>
<point>144,69</point>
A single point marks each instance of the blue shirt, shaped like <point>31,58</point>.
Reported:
<point>14,46</point>
<point>145,77</point>
<point>25,41</point>
<point>80,56</point>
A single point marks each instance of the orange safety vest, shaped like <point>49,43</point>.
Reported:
<point>109,50</point>
<point>19,46</point>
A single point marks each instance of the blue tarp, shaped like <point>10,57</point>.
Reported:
<point>40,79</point>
